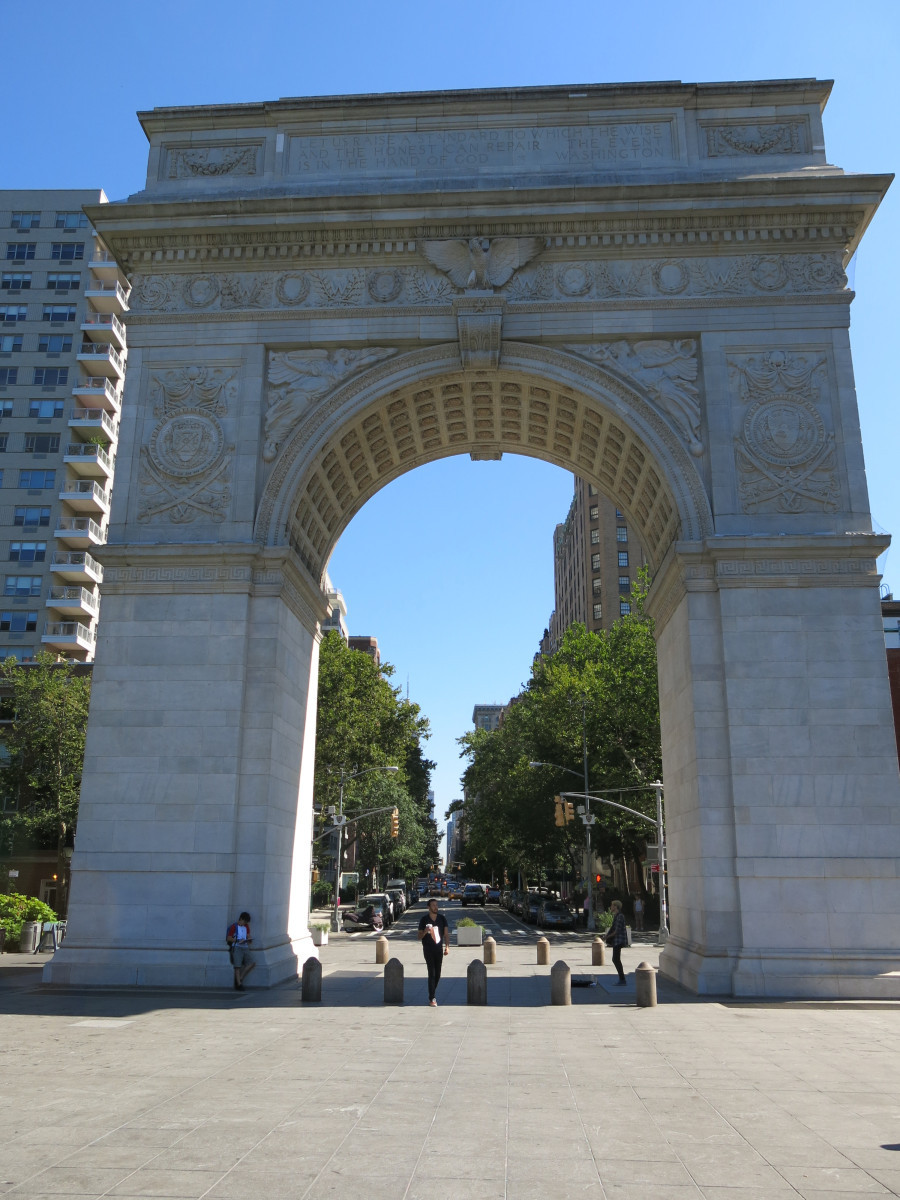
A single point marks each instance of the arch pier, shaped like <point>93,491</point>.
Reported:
<point>642,284</point>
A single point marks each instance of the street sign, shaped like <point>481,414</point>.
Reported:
<point>655,869</point>
<point>14,874</point>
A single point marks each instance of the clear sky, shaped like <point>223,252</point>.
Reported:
<point>450,567</point>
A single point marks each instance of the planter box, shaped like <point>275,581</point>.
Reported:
<point>319,937</point>
<point>469,935</point>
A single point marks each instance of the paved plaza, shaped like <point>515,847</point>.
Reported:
<point>259,1095</point>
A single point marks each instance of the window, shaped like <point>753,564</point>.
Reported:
<point>41,443</point>
<point>595,513</point>
<point>31,516</point>
<point>623,558</point>
<point>66,251</point>
<point>4,437</point>
<point>621,533</point>
<point>8,375</point>
<point>45,408</point>
<point>22,585</point>
<point>10,344</point>
<point>51,376</point>
<point>595,585</point>
<point>595,537</point>
<point>624,583</point>
<point>592,491</point>
<point>54,343</point>
<point>58,312</point>
<point>10,313</point>
<point>6,406</point>
<point>63,281</point>
<point>595,562</point>
<point>15,280</point>
<point>23,655</point>
<point>71,220</point>
<point>618,514</point>
<point>37,479</point>
<point>598,612</point>
<point>26,221</point>
<point>27,551</point>
<point>624,608</point>
<point>18,622</point>
<point>20,251</point>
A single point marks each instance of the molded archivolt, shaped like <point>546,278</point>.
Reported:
<point>420,407</point>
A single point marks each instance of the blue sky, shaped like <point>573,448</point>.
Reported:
<point>450,567</point>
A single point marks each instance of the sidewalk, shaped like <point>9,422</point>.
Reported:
<point>240,1095</point>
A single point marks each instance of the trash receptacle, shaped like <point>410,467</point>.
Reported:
<point>30,936</point>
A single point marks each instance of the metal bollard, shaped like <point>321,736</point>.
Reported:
<point>598,952</point>
<point>393,982</point>
<point>476,983</point>
<point>560,983</point>
<point>543,952</point>
<point>490,951</point>
<point>311,989</point>
<point>645,985</point>
<point>382,950</point>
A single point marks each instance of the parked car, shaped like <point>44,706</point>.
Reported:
<point>555,914</point>
<point>382,904</point>
<point>473,893</point>
<point>493,895</point>
<point>399,900</point>
<point>532,900</point>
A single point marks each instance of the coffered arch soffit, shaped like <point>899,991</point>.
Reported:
<point>422,406</point>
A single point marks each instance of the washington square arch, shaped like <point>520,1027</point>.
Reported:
<point>642,284</point>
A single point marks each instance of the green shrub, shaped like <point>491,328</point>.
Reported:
<point>15,910</point>
<point>603,921</point>
<point>322,893</point>
<point>466,923</point>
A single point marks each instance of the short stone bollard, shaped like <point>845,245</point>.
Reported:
<point>560,983</point>
<point>382,950</point>
<point>598,952</point>
<point>490,951</point>
<point>393,982</point>
<point>476,983</point>
<point>311,985</point>
<point>645,985</point>
<point>543,952</point>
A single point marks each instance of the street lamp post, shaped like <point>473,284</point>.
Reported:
<point>339,823</point>
<point>588,822</point>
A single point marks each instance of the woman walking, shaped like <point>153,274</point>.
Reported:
<point>617,938</point>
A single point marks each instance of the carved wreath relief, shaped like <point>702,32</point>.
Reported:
<point>667,372</point>
<point>299,378</point>
<point>784,455</point>
<point>186,466</point>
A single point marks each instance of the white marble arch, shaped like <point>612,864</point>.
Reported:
<point>721,242</point>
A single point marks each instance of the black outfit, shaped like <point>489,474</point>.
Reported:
<point>433,951</point>
<point>617,938</point>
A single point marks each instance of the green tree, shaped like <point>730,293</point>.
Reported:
<point>41,780</point>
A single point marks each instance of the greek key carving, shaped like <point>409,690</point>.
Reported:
<point>186,466</point>
<point>212,160</point>
<point>666,371</point>
<point>784,455</point>
<point>299,378</point>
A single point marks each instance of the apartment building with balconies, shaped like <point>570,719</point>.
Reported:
<point>62,366</point>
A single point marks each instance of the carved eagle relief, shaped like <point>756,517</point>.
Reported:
<point>481,263</point>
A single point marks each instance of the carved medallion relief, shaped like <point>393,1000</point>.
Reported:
<point>784,454</point>
<point>185,470</point>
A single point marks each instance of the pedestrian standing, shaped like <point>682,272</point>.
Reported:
<point>239,941</point>
<point>638,913</point>
<point>617,938</point>
<point>434,934</point>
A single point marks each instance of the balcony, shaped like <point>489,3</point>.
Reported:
<point>105,267</point>
<point>80,532</point>
<point>102,358</point>
<point>71,637</point>
<point>73,602</point>
<point>88,459</point>
<point>101,391</point>
<point>107,297</point>
<point>92,421</point>
<point>76,566</point>
<point>105,327</point>
<point>85,496</point>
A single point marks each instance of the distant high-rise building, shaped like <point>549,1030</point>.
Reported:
<point>596,557</point>
<point>367,645</point>
<point>487,716</point>
<point>337,615</point>
<point>62,368</point>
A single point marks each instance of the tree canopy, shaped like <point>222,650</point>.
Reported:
<point>604,684</point>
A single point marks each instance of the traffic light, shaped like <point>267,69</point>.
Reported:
<point>570,811</point>
<point>395,823</point>
<point>598,879</point>
<point>560,814</point>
